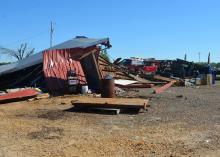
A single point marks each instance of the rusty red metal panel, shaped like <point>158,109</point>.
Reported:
<point>56,65</point>
<point>19,94</point>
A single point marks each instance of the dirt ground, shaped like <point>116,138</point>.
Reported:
<point>180,122</point>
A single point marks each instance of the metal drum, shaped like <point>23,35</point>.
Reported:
<point>108,87</point>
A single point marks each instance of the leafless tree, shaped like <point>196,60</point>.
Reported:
<point>18,54</point>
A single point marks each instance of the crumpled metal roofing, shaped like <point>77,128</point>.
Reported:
<point>38,57</point>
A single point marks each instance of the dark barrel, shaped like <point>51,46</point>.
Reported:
<point>108,87</point>
<point>73,82</point>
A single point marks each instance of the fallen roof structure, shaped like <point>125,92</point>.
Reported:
<point>49,69</point>
<point>78,42</point>
<point>51,63</point>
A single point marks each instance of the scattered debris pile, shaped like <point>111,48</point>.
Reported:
<point>76,66</point>
<point>183,72</point>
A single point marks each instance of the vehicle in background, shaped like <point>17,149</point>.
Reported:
<point>151,66</point>
<point>139,66</point>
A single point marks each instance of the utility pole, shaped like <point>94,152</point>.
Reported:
<point>185,57</point>
<point>51,33</point>
<point>199,57</point>
<point>209,59</point>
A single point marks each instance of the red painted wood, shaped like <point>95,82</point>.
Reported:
<point>163,88</point>
<point>19,94</point>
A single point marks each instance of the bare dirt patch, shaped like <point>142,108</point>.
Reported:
<point>47,133</point>
<point>52,115</point>
<point>180,122</point>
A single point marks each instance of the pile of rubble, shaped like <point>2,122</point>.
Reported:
<point>76,66</point>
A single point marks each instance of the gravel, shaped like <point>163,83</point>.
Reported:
<point>180,122</point>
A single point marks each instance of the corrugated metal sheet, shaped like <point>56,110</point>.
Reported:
<point>38,58</point>
<point>56,65</point>
<point>27,62</point>
<point>80,43</point>
<point>19,94</point>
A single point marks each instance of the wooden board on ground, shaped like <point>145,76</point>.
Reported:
<point>161,78</point>
<point>163,88</point>
<point>135,86</point>
<point>111,103</point>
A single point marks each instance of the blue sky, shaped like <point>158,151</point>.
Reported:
<point>164,29</point>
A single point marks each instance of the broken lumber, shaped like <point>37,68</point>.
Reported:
<point>40,96</point>
<point>87,54</point>
<point>111,103</point>
<point>135,86</point>
<point>139,79</point>
<point>161,78</point>
<point>163,88</point>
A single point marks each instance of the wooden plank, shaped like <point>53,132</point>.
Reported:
<point>85,55</point>
<point>139,79</point>
<point>163,88</point>
<point>111,103</point>
<point>161,78</point>
<point>136,86</point>
<point>92,71</point>
<point>97,66</point>
<point>109,68</point>
<point>103,64</point>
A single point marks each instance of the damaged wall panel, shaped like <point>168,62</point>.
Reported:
<point>56,65</point>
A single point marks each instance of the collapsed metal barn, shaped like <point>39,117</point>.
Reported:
<point>48,69</point>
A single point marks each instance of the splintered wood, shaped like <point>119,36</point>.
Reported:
<point>107,68</point>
